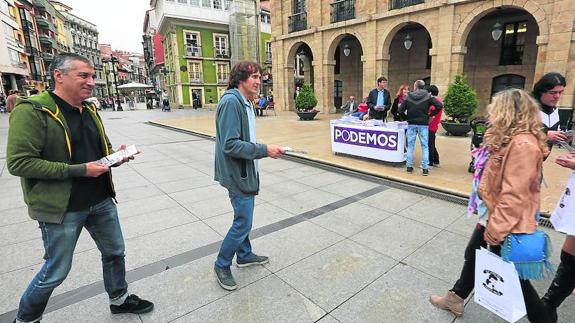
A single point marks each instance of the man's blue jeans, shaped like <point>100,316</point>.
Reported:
<point>237,241</point>
<point>101,221</point>
<point>423,133</point>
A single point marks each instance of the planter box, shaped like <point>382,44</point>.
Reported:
<point>456,129</point>
<point>307,115</point>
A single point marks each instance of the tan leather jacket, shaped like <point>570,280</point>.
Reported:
<point>510,187</point>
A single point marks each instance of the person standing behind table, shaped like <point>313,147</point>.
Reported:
<point>433,127</point>
<point>379,100</point>
<point>415,110</point>
<point>350,106</point>
<point>399,97</point>
<point>236,167</point>
<point>547,91</point>
<point>55,140</point>
<point>11,100</point>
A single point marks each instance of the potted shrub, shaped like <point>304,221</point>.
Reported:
<point>460,103</point>
<point>305,103</point>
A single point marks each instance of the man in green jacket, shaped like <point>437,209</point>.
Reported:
<point>55,140</point>
<point>236,167</point>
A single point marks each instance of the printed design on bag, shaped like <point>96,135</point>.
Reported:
<point>567,193</point>
<point>491,282</point>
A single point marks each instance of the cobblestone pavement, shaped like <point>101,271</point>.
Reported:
<point>342,248</point>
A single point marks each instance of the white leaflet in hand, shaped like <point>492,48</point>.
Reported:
<point>119,156</point>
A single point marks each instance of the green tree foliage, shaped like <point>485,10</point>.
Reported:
<point>460,100</point>
<point>306,100</point>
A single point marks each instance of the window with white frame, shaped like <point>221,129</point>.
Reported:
<point>227,4</point>
<point>14,56</point>
<point>207,3</point>
<point>217,4</point>
<point>195,3</point>
<point>193,42</point>
<point>223,72</point>
<point>195,72</point>
<point>221,45</point>
<point>183,1</point>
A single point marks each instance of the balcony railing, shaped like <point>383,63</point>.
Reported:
<point>342,10</point>
<point>297,22</point>
<point>221,53</point>
<point>193,51</point>
<point>47,56</point>
<point>223,79</point>
<point>398,4</point>
<point>196,77</point>
<point>268,57</point>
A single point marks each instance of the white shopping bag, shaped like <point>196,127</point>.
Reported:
<point>497,286</point>
<point>563,217</point>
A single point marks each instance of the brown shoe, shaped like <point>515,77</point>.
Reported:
<point>450,302</point>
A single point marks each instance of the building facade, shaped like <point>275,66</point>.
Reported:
<point>81,37</point>
<point>45,16</point>
<point>32,56</point>
<point>13,69</point>
<point>198,45</point>
<point>342,47</point>
<point>153,51</point>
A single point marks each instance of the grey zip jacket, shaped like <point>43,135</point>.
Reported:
<point>234,153</point>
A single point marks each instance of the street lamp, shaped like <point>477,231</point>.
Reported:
<point>497,31</point>
<point>407,41</point>
<point>346,50</point>
<point>114,61</point>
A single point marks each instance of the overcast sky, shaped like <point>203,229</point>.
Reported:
<point>120,22</point>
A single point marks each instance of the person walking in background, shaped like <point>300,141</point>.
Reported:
<point>415,110</point>
<point>509,185</point>
<point>165,101</point>
<point>399,97</point>
<point>11,100</point>
<point>237,169</point>
<point>55,142</point>
<point>379,100</point>
<point>433,127</point>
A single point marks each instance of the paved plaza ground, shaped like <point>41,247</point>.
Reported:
<point>343,248</point>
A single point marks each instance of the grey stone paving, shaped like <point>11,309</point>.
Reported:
<point>342,249</point>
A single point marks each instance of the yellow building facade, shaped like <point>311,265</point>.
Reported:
<point>342,47</point>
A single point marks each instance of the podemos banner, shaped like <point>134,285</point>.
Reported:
<point>386,140</point>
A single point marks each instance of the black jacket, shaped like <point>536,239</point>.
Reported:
<point>372,102</point>
<point>395,110</point>
<point>415,107</point>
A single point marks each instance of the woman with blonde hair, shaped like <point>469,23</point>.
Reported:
<point>507,181</point>
<point>399,97</point>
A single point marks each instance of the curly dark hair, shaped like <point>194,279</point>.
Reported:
<point>241,71</point>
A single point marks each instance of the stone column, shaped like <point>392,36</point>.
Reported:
<point>446,57</point>
<point>324,93</point>
<point>542,42</point>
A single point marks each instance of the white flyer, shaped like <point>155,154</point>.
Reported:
<point>563,217</point>
<point>118,156</point>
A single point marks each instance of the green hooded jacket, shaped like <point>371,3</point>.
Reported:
<point>39,151</point>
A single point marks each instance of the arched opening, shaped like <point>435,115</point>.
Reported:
<point>501,50</point>
<point>299,70</point>
<point>409,58</point>
<point>348,69</point>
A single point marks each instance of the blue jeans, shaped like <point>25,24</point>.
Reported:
<point>237,241</point>
<point>423,133</point>
<point>359,115</point>
<point>101,221</point>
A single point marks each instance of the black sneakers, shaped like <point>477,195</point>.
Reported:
<point>133,304</point>
<point>253,260</point>
<point>410,170</point>
<point>425,172</point>
<point>225,278</point>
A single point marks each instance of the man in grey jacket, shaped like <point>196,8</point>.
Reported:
<point>236,167</point>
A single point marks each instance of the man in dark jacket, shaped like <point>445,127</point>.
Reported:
<point>415,110</point>
<point>55,140</point>
<point>236,167</point>
<point>379,100</point>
